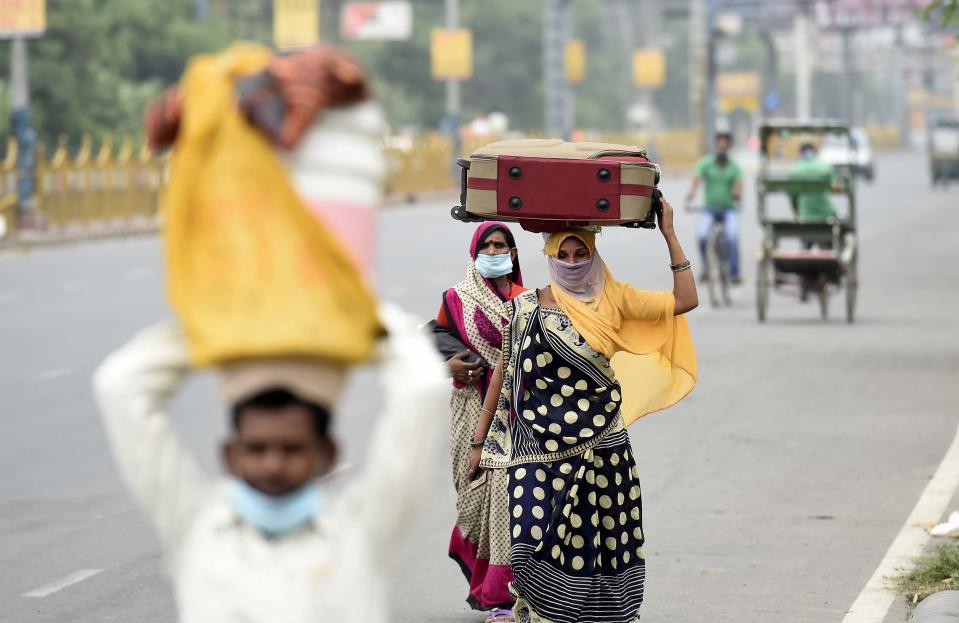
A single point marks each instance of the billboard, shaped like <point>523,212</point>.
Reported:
<point>451,54</point>
<point>296,23</point>
<point>863,13</point>
<point>376,21</point>
<point>22,18</point>
<point>574,61</point>
<point>649,68</point>
<point>738,90</point>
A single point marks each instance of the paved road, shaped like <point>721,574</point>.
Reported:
<point>770,494</point>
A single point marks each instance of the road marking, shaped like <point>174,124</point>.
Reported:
<point>74,286</point>
<point>877,597</point>
<point>55,373</point>
<point>58,585</point>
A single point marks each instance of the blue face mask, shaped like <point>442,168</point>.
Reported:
<point>807,154</point>
<point>492,266</point>
<point>274,516</point>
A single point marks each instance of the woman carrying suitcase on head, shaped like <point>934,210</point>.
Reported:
<point>561,400</point>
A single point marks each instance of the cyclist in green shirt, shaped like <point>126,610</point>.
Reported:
<point>722,181</point>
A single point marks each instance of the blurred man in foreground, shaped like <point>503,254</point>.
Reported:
<point>272,154</point>
<point>269,543</point>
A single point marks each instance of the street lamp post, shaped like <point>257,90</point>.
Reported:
<point>454,103</point>
<point>710,112</point>
<point>453,93</point>
<point>849,74</point>
<point>557,103</point>
<point>803,61</point>
<point>20,123</point>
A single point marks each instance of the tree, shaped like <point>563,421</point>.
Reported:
<point>946,11</point>
<point>101,61</point>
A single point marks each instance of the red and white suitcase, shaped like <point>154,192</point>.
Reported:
<point>548,185</point>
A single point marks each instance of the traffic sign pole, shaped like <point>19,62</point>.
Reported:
<point>20,123</point>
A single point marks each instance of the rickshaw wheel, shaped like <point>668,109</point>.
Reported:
<point>851,284</point>
<point>762,288</point>
<point>823,296</point>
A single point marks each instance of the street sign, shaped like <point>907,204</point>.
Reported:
<point>866,13</point>
<point>772,101</point>
<point>22,18</point>
<point>296,23</point>
<point>451,54</point>
<point>738,90</point>
<point>574,61</point>
<point>649,68</point>
<point>376,21</point>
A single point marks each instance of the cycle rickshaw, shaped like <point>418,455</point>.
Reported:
<point>819,256</point>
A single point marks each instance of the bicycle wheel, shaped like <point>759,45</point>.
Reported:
<point>714,268</point>
<point>725,271</point>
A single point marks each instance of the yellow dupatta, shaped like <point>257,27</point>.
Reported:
<point>650,349</point>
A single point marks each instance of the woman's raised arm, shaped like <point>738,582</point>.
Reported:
<point>684,285</point>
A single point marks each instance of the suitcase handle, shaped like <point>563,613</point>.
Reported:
<point>655,210</point>
<point>458,212</point>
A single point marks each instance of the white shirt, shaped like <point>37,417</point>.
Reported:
<point>223,569</point>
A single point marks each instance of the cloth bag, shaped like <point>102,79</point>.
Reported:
<point>251,272</point>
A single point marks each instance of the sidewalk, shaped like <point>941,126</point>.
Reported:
<point>902,610</point>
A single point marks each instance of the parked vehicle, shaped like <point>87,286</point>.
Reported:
<point>852,153</point>
<point>944,150</point>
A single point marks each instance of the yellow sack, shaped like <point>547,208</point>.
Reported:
<point>250,271</point>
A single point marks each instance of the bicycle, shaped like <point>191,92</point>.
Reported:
<point>718,267</point>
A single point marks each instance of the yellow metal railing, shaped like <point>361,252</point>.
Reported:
<point>425,164</point>
<point>883,137</point>
<point>671,148</point>
<point>109,185</point>
<point>8,191</point>
<point>117,183</point>
<point>419,165</point>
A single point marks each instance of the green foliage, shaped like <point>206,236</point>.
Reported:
<point>101,61</point>
<point>945,11</point>
<point>938,571</point>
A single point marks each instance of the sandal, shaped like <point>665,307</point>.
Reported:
<point>500,615</point>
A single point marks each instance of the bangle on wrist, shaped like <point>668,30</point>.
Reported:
<point>680,267</point>
<point>475,443</point>
<point>485,410</point>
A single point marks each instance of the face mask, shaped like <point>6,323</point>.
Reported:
<point>491,266</point>
<point>574,271</point>
<point>807,154</point>
<point>583,280</point>
<point>275,515</point>
<point>722,158</point>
